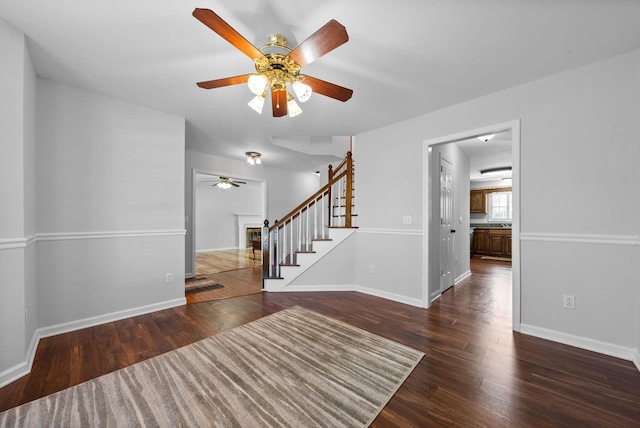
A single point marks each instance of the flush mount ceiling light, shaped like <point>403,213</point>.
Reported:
<point>495,171</point>
<point>253,158</point>
<point>486,138</point>
<point>278,66</point>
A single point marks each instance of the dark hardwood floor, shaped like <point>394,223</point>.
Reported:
<point>237,270</point>
<point>476,371</point>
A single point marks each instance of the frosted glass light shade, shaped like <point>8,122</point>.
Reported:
<point>293,108</point>
<point>223,185</point>
<point>257,103</point>
<point>253,158</point>
<point>257,83</point>
<point>303,92</point>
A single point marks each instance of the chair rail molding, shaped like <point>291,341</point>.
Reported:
<point>626,240</point>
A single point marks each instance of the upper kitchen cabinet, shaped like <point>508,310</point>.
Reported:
<point>478,201</point>
<point>479,198</point>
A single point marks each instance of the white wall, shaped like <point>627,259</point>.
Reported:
<point>93,200</point>
<point>110,205</point>
<point>579,186</point>
<point>17,256</point>
<point>216,213</point>
<point>335,270</point>
<point>284,189</point>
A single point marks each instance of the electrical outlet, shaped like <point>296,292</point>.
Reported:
<point>406,219</point>
<point>371,270</point>
<point>568,301</point>
<point>168,278</point>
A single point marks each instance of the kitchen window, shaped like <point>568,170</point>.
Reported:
<point>500,207</point>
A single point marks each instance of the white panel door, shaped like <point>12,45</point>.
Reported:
<point>446,225</point>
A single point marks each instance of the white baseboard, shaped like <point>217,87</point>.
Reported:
<point>351,287</point>
<point>462,277</point>
<point>208,250</point>
<point>305,288</point>
<point>14,373</point>
<point>605,348</point>
<point>390,296</point>
<point>24,368</point>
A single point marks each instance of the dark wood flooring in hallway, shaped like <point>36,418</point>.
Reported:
<point>476,371</point>
<point>238,271</point>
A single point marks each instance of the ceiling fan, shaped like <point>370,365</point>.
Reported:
<point>278,65</point>
<point>225,183</point>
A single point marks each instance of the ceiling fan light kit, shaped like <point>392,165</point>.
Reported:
<point>225,183</point>
<point>278,66</point>
<point>257,103</point>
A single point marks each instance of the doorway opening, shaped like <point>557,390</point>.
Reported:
<point>432,231</point>
<point>224,222</point>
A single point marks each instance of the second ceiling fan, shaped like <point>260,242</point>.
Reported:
<point>277,65</point>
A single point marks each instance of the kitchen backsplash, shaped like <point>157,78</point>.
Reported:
<point>490,225</point>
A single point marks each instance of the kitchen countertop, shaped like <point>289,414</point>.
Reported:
<point>489,226</point>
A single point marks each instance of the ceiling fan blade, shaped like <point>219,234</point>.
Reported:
<point>217,24</point>
<point>279,102</point>
<point>326,39</point>
<point>227,81</point>
<point>328,89</point>
<point>233,184</point>
<point>240,182</point>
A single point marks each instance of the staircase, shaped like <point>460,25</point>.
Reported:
<point>299,240</point>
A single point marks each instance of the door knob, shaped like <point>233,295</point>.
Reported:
<point>453,231</point>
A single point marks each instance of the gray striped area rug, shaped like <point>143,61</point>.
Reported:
<point>294,368</point>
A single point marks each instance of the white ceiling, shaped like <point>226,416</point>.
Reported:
<point>404,58</point>
<point>494,153</point>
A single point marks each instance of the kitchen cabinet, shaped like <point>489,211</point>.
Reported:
<point>478,202</point>
<point>491,242</point>
<point>478,198</point>
<point>479,243</point>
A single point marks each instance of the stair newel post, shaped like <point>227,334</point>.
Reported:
<point>349,190</point>
<point>329,217</point>
<point>265,251</point>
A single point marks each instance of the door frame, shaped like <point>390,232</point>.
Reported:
<point>194,174</point>
<point>514,126</point>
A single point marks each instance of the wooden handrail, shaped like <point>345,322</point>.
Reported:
<point>295,232</point>
<point>308,202</point>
